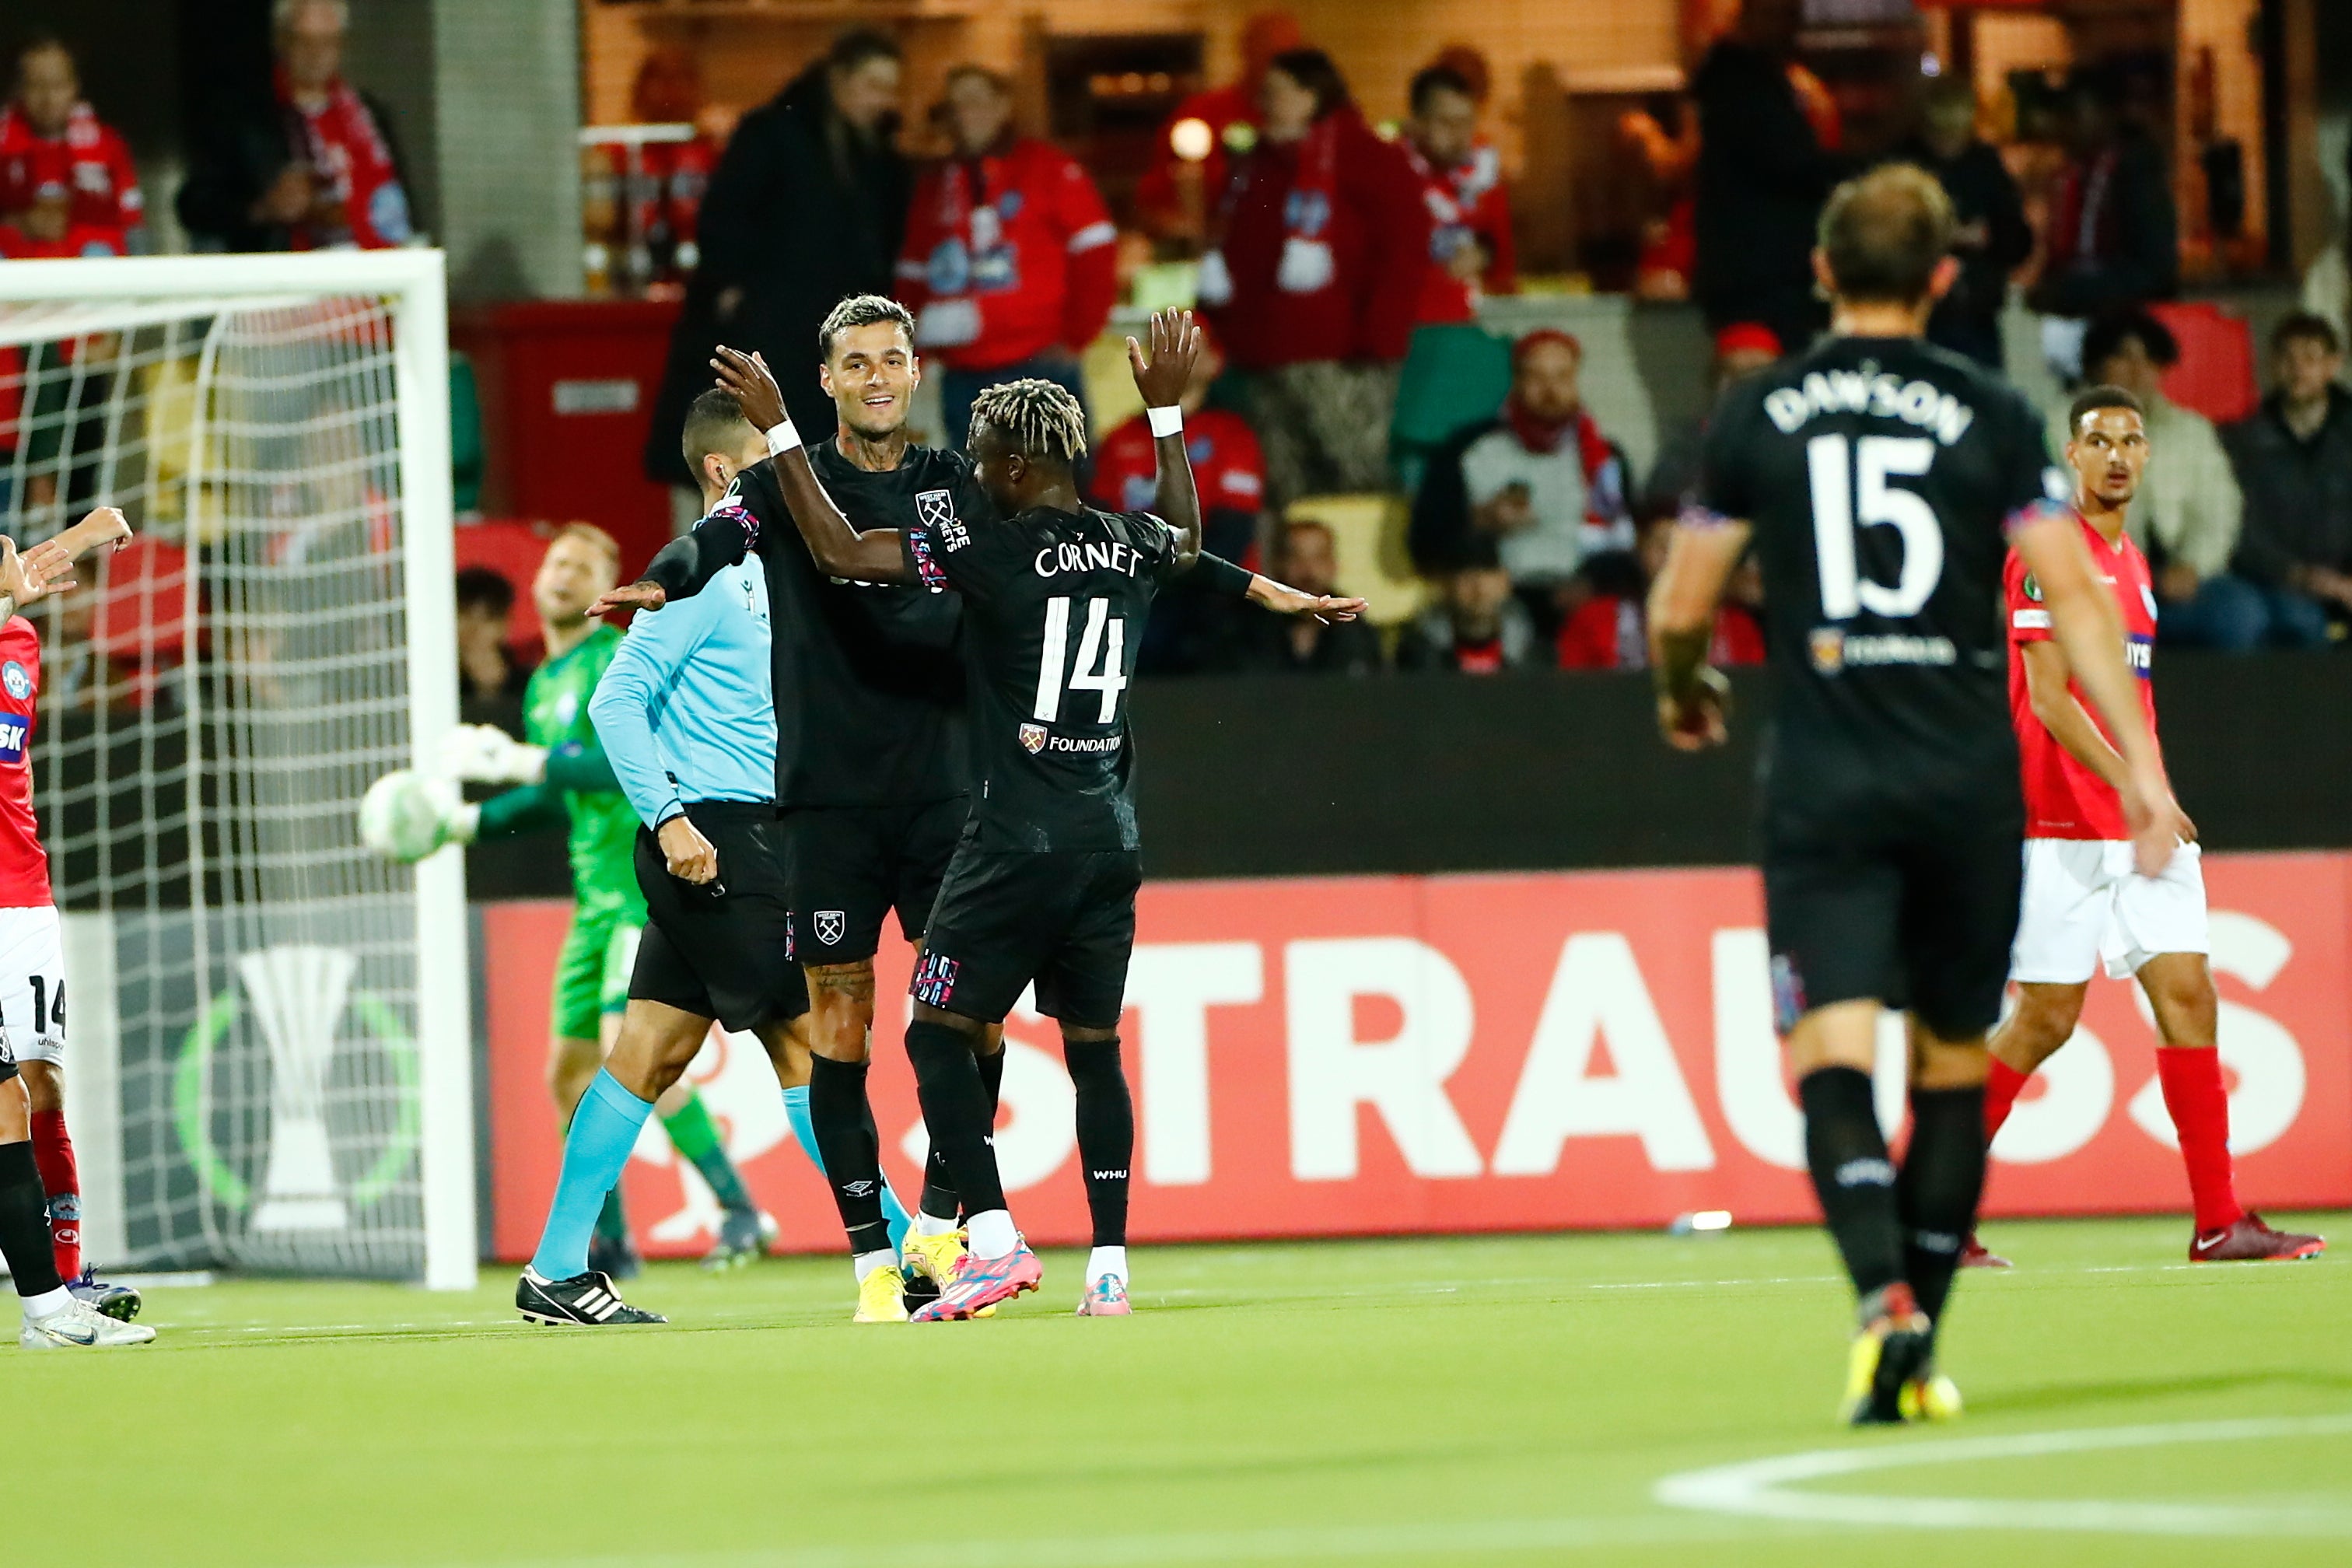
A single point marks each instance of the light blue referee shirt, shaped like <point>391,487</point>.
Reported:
<point>687,710</point>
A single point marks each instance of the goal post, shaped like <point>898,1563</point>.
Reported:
<point>279,1074</point>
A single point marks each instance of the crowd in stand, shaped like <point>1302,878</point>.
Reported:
<point>1329,251</point>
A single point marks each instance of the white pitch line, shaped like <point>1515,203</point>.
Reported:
<point>1758,1489</point>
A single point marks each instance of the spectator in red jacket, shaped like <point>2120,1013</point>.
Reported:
<point>1470,247</point>
<point>1323,246</point>
<point>1208,130</point>
<point>1010,264</point>
<point>67,182</point>
<point>1610,630</point>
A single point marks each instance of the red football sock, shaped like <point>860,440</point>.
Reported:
<point>2002,1085</point>
<point>53,1152</point>
<point>2199,1104</point>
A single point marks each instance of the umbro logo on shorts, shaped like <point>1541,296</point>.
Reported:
<point>831,925</point>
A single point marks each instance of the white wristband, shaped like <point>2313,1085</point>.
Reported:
<point>782,438</point>
<point>1169,421</point>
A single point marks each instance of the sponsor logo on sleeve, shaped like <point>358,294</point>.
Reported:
<point>15,730</point>
<point>927,567</point>
<point>17,679</point>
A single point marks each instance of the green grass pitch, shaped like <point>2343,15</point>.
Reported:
<point>1460,1401</point>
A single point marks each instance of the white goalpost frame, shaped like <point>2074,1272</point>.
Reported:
<point>413,282</point>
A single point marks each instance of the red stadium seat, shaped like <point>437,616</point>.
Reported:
<point>2216,372</point>
<point>512,550</point>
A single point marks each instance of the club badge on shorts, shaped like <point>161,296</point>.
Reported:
<point>1033,737</point>
<point>831,926</point>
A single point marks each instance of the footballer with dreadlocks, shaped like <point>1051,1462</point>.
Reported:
<point>1041,886</point>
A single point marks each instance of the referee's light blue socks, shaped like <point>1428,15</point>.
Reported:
<point>796,1112</point>
<point>604,1130</point>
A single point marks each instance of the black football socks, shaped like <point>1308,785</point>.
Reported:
<point>24,1223</point>
<point>1943,1177</point>
<point>940,1198</point>
<point>1105,1132</point>
<point>1853,1175</point>
<point>956,1112</point>
<point>848,1150</point>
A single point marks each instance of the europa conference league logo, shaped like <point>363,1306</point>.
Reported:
<point>298,995</point>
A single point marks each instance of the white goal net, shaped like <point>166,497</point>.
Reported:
<point>268,1063</point>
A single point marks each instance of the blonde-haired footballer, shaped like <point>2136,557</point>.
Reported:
<point>2084,901</point>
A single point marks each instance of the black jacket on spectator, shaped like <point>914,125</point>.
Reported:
<point>1262,644</point>
<point>2298,492</point>
<point>801,211</point>
<point>1761,180</point>
<point>243,142</point>
<point>1968,321</point>
<point>2143,260</point>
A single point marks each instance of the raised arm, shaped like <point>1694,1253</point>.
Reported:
<point>48,567</point>
<point>2082,619</point>
<point>876,555</point>
<point>1161,378</point>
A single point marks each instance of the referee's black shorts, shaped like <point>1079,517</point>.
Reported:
<point>1064,919</point>
<point>1894,896</point>
<point>851,864</point>
<point>724,948</point>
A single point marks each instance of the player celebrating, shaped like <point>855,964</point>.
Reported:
<point>689,719</point>
<point>1042,888</point>
<point>40,1196</point>
<point>1876,476</point>
<point>2083,899</point>
<point>565,781</point>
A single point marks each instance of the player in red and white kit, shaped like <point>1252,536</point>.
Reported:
<point>2084,902</point>
<point>40,1205</point>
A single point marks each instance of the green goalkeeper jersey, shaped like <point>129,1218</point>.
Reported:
<point>604,828</point>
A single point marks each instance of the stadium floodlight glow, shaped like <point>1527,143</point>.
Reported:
<point>271,1045</point>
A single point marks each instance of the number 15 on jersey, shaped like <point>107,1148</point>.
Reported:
<point>1851,491</point>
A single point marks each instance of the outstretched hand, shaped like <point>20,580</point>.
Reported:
<point>1284,600</point>
<point>1168,371</point>
<point>747,379</point>
<point>629,596</point>
<point>21,583</point>
<point>48,567</point>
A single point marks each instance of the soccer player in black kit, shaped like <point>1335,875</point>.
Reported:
<point>1877,477</point>
<point>1042,885</point>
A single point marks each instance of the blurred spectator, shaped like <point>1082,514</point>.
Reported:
<point>486,668</point>
<point>1208,131</point>
<point>1538,489</point>
<point>1229,472</point>
<point>311,167</point>
<point>1009,264</point>
<point>1323,248</point>
<point>1741,349</point>
<point>1993,239</point>
<point>1610,630</point>
<point>1764,170</point>
<point>808,204</point>
<point>1470,245</point>
<point>2114,242</point>
<point>2295,459</point>
<point>66,178</point>
<point>672,176</point>
<point>2187,514</point>
<point>1473,628</point>
<point>1300,644</point>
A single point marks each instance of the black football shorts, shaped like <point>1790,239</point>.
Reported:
<point>1897,899</point>
<point>850,865</point>
<point>720,950</point>
<point>1064,919</point>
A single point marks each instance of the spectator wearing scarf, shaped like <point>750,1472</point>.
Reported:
<point>311,167</point>
<point>1471,251</point>
<point>55,151</point>
<point>1316,279</point>
<point>1538,489</point>
<point>1010,262</point>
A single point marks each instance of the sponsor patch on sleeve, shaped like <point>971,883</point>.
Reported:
<point>16,730</point>
<point>927,566</point>
<point>2031,620</point>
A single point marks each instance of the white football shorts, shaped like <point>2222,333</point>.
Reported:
<point>2085,903</point>
<point>32,986</point>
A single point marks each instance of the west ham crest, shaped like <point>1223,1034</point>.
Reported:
<point>830,925</point>
<point>1033,737</point>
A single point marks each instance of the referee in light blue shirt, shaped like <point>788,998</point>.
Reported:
<point>688,719</point>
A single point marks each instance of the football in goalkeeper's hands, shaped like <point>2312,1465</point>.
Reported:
<point>407,816</point>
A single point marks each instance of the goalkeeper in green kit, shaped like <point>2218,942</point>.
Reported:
<point>563,778</point>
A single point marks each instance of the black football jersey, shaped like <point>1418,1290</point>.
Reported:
<point>868,677</point>
<point>1880,475</point>
<point>1054,604</point>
